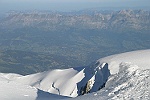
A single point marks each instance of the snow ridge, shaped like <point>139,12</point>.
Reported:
<point>71,82</point>
<point>123,76</point>
<point>130,83</point>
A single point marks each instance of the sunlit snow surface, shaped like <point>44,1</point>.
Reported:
<point>126,76</point>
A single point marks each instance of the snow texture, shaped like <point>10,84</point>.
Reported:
<point>118,77</point>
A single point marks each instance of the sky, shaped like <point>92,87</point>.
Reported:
<point>68,5</point>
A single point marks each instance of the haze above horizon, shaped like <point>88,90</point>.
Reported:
<point>70,5</point>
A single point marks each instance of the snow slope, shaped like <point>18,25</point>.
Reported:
<point>140,58</point>
<point>68,82</point>
<point>13,90</point>
<point>118,77</point>
<point>129,79</point>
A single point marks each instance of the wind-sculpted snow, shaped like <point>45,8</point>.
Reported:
<point>69,82</point>
<point>140,58</point>
<point>95,78</point>
<point>130,83</point>
<point>118,77</point>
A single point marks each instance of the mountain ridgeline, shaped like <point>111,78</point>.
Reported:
<point>53,21</point>
<point>69,39</point>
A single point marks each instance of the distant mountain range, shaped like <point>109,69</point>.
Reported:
<point>68,39</point>
<point>119,20</point>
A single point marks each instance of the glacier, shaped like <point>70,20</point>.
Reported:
<point>118,77</point>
